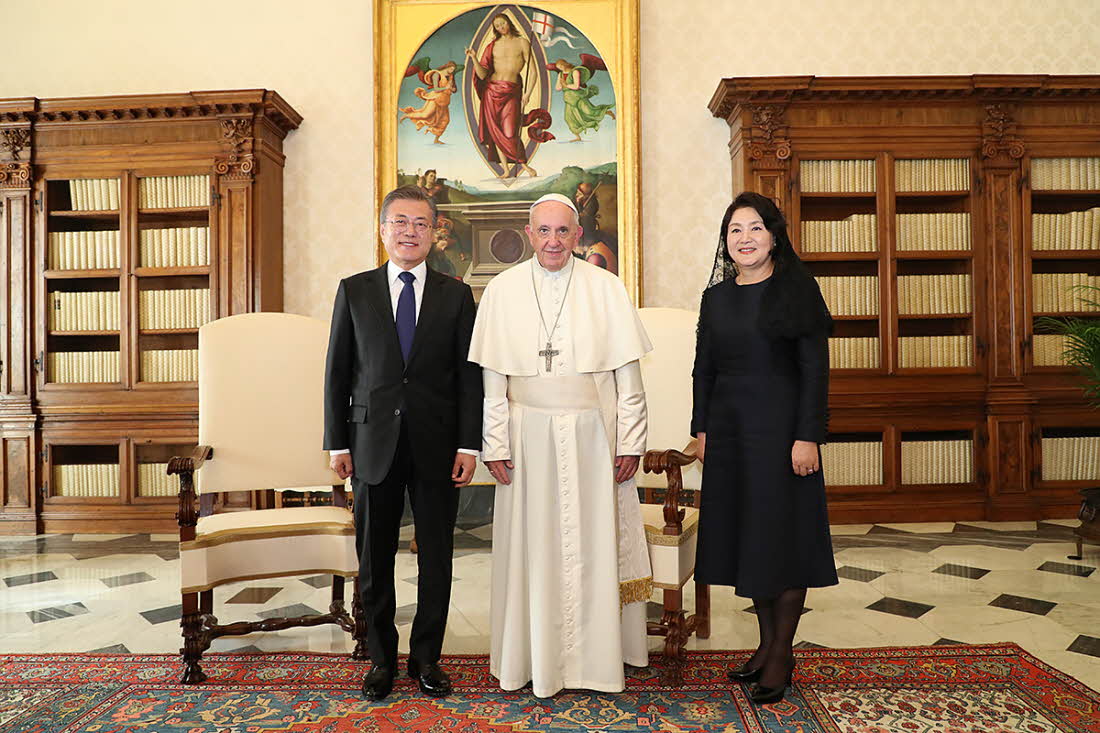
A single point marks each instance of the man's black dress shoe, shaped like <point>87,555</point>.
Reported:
<point>378,683</point>
<point>433,681</point>
<point>744,674</point>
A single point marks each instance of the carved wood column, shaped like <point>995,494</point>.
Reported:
<point>17,419</point>
<point>236,171</point>
<point>769,154</point>
<point>1009,403</point>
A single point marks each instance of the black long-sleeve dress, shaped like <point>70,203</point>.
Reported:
<point>762,528</point>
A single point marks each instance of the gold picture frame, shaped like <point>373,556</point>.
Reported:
<point>427,86</point>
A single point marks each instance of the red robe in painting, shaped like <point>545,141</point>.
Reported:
<point>501,118</point>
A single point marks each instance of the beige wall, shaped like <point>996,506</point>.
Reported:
<point>318,56</point>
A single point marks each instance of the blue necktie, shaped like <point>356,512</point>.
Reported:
<point>406,315</point>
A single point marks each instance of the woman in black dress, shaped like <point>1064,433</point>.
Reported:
<point>761,384</point>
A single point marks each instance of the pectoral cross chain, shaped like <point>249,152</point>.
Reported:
<point>549,353</point>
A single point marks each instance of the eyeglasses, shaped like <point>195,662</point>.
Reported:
<point>403,224</point>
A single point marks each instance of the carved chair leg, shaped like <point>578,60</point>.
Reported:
<point>206,601</point>
<point>702,611</point>
<point>674,620</point>
<point>360,652</point>
<point>194,640</point>
<point>1080,547</point>
<point>336,605</point>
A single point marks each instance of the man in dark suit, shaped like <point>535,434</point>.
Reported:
<point>403,411</point>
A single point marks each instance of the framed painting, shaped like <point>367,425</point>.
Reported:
<point>487,106</point>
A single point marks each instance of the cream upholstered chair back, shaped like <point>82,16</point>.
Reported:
<point>261,407</point>
<point>666,372</point>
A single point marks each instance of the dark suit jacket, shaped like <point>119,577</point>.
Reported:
<point>369,389</point>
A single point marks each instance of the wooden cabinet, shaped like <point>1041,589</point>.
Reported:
<point>127,223</point>
<point>943,217</point>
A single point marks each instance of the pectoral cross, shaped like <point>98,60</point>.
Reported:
<point>549,353</point>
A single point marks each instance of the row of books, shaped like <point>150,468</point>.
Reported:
<point>85,479</point>
<point>72,367</point>
<point>937,461</point>
<point>94,194</point>
<point>929,352</point>
<point>852,464</point>
<point>933,294</point>
<point>1055,291</point>
<point>1071,459</point>
<point>857,233</point>
<point>850,296</point>
<point>185,308</point>
<point>837,176</point>
<point>95,310</point>
<point>853,353</point>
<point>932,174</point>
<point>933,232</point>
<point>171,192</point>
<point>1065,174</point>
<point>89,250</point>
<point>1072,230</point>
<point>170,365</point>
<point>1048,349</point>
<point>175,247</point>
<point>153,480</point>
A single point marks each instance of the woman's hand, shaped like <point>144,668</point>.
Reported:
<point>804,458</point>
<point>700,445</point>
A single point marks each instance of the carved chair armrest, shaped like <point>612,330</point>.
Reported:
<point>187,516</point>
<point>671,462</point>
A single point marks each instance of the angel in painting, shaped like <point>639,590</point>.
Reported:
<point>435,115</point>
<point>580,113</point>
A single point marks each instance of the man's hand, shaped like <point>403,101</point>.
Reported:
<point>341,464</point>
<point>700,446</point>
<point>804,458</point>
<point>463,470</point>
<point>501,470</point>
<point>625,468</point>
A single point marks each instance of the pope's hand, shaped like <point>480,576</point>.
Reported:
<point>341,464</point>
<point>625,468</point>
<point>501,470</point>
<point>463,469</point>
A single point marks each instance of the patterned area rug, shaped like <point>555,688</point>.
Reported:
<point>973,689</point>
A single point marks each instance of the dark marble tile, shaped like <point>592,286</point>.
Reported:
<point>55,612</point>
<point>961,571</point>
<point>861,574</point>
<point>318,581</point>
<point>962,534</point>
<point>17,580</point>
<point>130,579</point>
<point>414,579</point>
<point>296,609</point>
<point>654,611</point>
<point>163,615</point>
<point>1081,571</point>
<point>116,649</point>
<point>137,544</point>
<point>1085,645</point>
<point>467,541</point>
<point>808,645</point>
<point>948,642</point>
<point>900,607</point>
<point>254,595</point>
<point>1021,603</point>
<point>404,614</point>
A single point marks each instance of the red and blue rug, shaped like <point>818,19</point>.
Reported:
<point>995,688</point>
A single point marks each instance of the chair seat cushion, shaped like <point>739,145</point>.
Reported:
<point>671,556</point>
<point>268,543</point>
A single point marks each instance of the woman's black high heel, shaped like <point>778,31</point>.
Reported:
<point>744,674</point>
<point>767,695</point>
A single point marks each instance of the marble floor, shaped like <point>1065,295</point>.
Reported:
<point>901,584</point>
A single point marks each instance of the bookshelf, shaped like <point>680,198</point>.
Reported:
<point>142,218</point>
<point>942,217</point>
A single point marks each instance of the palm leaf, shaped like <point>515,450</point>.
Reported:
<point>1082,341</point>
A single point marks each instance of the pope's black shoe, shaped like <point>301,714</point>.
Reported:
<point>433,681</point>
<point>378,683</point>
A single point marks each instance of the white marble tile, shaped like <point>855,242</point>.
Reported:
<point>987,558</point>
<point>166,537</point>
<point>1064,522</point>
<point>844,530</point>
<point>886,559</point>
<point>863,628</point>
<point>934,589</point>
<point>1083,668</point>
<point>1054,587</point>
<point>483,533</point>
<point>922,527</point>
<point>849,594</point>
<point>987,625</point>
<point>1079,618</point>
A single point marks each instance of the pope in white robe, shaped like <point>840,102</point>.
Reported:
<point>564,429</point>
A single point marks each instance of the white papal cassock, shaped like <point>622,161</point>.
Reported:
<point>571,570</point>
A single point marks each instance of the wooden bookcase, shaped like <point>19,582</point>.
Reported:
<point>911,199</point>
<point>127,222</point>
